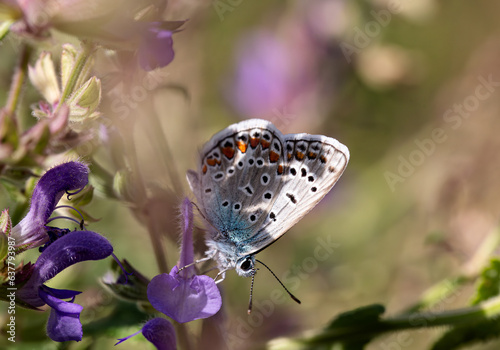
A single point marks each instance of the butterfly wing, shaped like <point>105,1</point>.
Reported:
<point>239,177</point>
<point>313,165</point>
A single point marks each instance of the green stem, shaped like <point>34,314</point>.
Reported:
<point>165,154</point>
<point>474,314</point>
<point>18,80</point>
<point>141,201</point>
<point>157,243</point>
<point>182,336</point>
<point>470,315</point>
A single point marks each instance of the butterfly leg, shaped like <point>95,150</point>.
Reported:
<point>195,263</point>
<point>222,275</point>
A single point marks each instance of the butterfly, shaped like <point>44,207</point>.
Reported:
<point>254,183</point>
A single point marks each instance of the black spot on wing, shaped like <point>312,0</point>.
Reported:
<point>292,198</point>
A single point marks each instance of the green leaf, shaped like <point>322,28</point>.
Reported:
<point>87,218</point>
<point>84,197</point>
<point>489,282</point>
<point>363,315</point>
<point>102,181</point>
<point>4,246</point>
<point>122,186</point>
<point>123,315</point>
<point>5,228</point>
<point>18,199</point>
<point>5,28</point>
<point>466,335</point>
<point>14,191</point>
<point>351,330</point>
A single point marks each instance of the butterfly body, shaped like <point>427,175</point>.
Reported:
<point>254,183</point>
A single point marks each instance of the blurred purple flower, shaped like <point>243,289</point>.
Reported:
<point>32,231</point>
<point>156,48</point>
<point>64,323</point>
<point>112,24</point>
<point>183,295</point>
<point>270,74</point>
<point>158,331</point>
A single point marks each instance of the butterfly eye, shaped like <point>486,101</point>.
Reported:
<point>246,264</point>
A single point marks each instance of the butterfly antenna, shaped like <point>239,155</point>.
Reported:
<point>251,292</point>
<point>289,293</point>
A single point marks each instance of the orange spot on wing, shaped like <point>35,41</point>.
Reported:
<point>228,152</point>
<point>213,161</point>
<point>204,169</point>
<point>289,156</point>
<point>280,169</point>
<point>299,155</point>
<point>322,159</point>
<point>242,146</point>
<point>273,157</point>
<point>312,155</point>
<point>254,142</point>
<point>265,144</point>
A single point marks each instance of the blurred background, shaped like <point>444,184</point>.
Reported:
<point>411,87</point>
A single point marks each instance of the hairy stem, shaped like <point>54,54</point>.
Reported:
<point>18,79</point>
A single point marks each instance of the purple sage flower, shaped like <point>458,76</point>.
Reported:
<point>183,295</point>
<point>156,48</point>
<point>272,74</point>
<point>159,332</point>
<point>32,231</point>
<point>64,320</point>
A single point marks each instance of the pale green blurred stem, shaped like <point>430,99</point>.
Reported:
<point>18,80</point>
<point>156,237</point>
<point>442,290</point>
<point>157,242</point>
<point>183,337</point>
<point>80,62</point>
<point>163,149</point>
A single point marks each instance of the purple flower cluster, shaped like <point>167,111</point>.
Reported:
<point>181,295</point>
<point>64,248</point>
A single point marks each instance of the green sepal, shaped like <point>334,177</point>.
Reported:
<point>136,286</point>
<point>4,29</point>
<point>5,228</point>
<point>122,185</point>
<point>489,282</point>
